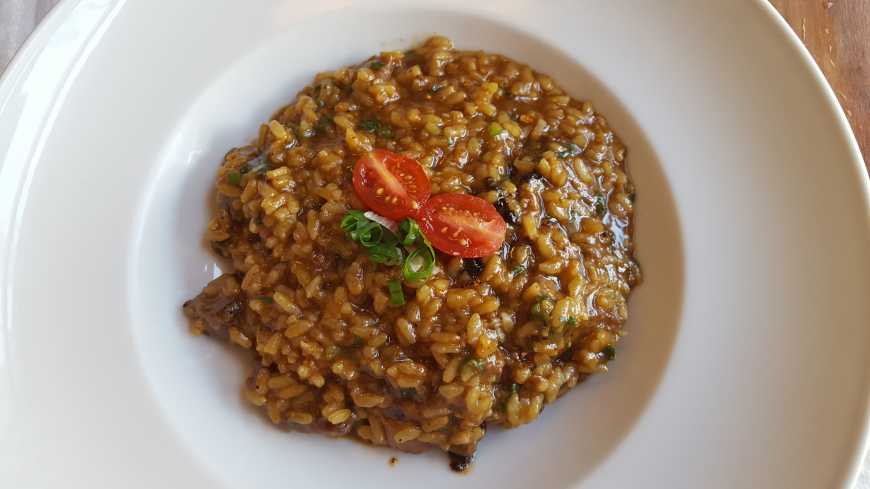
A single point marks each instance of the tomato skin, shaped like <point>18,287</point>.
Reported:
<point>391,184</point>
<point>462,225</point>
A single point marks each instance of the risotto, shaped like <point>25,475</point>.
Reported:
<point>422,246</point>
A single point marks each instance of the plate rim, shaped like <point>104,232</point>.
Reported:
<point>861,444</point>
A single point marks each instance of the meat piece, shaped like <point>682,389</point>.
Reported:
<point>474,267</point>
<point>218,306</point>
<point>460,463</point>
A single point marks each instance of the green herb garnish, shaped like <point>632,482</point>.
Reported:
<point>361,229</point>
<point>387,253</point>
<point>397,296</point>
<point>234,178</point>
<point>419,264</point>
<point>370,125</point>
<point>494,129</point>
<point>541,309</point>
<point>421,260</point>
<point>323,124</point>
<point>476,364</point>
<point>375,126</point>
<point>376,65</point>
<point>410,232</point>
<point>380,243</point>
<point>518,270</point>
<point>384,246</point>
<point>570,149</point>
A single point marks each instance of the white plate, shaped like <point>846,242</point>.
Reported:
<point>747,362</point>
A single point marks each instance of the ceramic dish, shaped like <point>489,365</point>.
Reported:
<point>747,359</point>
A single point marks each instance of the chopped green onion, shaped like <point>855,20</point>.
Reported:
<point>367,233</point>
<point>421,260</point>
<point>234,178</point>
<point>409,232</point>
<point>383,246</point>
<point>376,65</point>
<point>397,296</point>
<point>379,242</point>
<point>609,352</point>
<point>388,254</point>
<point>542,308</point>
<point>495,129</point>
<point>419,264</point>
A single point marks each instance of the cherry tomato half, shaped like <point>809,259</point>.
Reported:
<point>463,225</point>
<point>390,184</point>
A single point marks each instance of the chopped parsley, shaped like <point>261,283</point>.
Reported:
<point>375,126</point>
<point>370,125</point>
<point>570,149</point>
<point>323,124</point>
<point>494,129</point>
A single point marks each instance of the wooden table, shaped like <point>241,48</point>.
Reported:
<point>837,33</point>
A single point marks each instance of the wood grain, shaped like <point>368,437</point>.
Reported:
<point>837,33</point>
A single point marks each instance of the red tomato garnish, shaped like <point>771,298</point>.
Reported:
<point>462,225</point>
<point>390,184</point>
